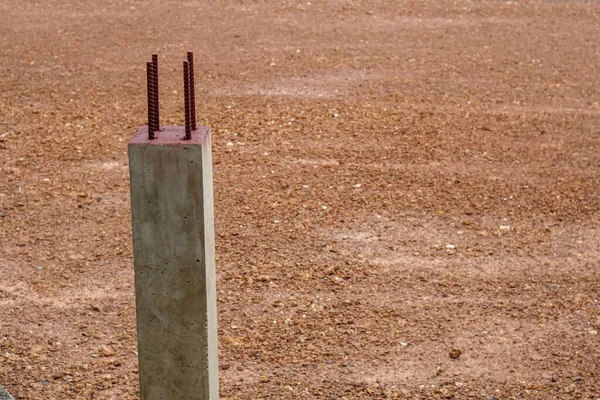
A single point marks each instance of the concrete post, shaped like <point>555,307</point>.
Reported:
<point>4,395</point>
<point>173,244</point>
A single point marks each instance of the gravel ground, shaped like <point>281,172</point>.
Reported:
<point>406,193</point>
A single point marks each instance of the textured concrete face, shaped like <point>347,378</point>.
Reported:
<point>4,395</point>
<point>173,243</point>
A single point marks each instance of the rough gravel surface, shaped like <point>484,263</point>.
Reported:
<point>407,194</point>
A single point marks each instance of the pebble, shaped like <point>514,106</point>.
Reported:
<point>330,270</point>
<point>455,353</point>
<point>105,351</point>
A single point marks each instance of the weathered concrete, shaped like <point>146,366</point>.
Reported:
<point>4,395</point>
<point>173,244</point>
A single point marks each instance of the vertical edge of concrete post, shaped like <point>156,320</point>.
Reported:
<point>211,273</point>
<point>175,281</point>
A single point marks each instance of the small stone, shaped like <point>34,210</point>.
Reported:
<point>330,270</point>
<point>105,351</point>
<point>578,378</point>
<point>264,379</point>
<point>37,350</point>
<point>455,353</point>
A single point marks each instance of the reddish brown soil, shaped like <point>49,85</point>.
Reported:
<point>407,194</point>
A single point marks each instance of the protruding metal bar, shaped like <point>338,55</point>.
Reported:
<point>150,86</point>
<point>156,104</point>
<point>153,92</point>
<point>190,58</point>
<point>186,100</point>
<point>152,126</point>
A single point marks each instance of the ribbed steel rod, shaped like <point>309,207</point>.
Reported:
<point>153,103</point>
<point>186,100</point>
<point>150,86</point>
<point>156,104</point>
<point>190,58</point>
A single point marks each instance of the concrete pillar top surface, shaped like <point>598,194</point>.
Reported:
<point>170,136</point>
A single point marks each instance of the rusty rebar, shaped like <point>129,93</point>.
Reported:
<point>190,58</point>
<point>153,93</point>
<point>186,100</point>
<point>156,104</point>
<point>150,86</point>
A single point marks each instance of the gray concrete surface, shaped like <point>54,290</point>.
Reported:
<point>4,395</point>
<point>175,284</point>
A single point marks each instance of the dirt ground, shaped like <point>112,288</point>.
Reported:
<point>407,194</point>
